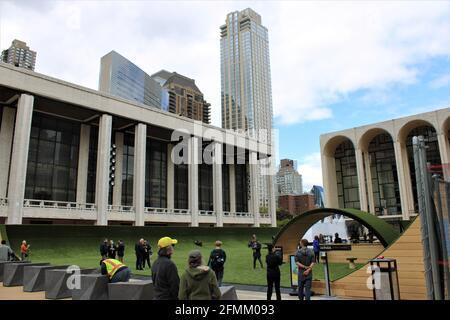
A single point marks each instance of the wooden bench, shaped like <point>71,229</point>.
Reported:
<point>351,262</point>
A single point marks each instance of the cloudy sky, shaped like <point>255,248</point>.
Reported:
<point>334,64</point>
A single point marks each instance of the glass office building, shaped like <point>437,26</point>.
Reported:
<point>124,79</point>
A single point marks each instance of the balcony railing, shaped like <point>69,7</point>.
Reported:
<point>237,214</point>
<point>121,209</point>
<point>49,204</point>
<point>153,210</point>
<point>207,213</point>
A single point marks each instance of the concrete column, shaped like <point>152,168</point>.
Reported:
<point>6,142</point>
<point>361,179</point>
<point>329,181</point>
<point>444,150</point>
<point>83,163</point>
<point>254,195</point>
<point>217,183</point>
<point>140,143</point>
<point>103,162</point>
<point>371,199</point>
<point>19,159</point>
<point>404,180</point>
<point>232,174</point>
<point>170,178</point>
<point>272,201</point>
<point>193,151</point>
<point>117,189</point>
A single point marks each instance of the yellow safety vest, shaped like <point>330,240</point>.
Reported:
<point>112,265</point>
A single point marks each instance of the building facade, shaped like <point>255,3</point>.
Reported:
<point>297,204</point>
<point>372,167</point>
<point>181,95</point>
<point>57,164</point>
<point>122,78</point>
<point>246,89</point>
<point>289,181</point>
<point>19,55</point>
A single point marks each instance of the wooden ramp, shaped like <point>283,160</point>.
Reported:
<point>408,252</point>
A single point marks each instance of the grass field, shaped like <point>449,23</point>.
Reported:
<point>80,246</point>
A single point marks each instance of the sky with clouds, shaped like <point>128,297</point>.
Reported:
<point>334,65</point>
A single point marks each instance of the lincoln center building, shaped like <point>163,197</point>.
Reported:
<point>372,167</point>
<point>69,154</point>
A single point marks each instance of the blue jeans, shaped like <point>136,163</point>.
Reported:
<point>121,276</point>
<point>304,289</point>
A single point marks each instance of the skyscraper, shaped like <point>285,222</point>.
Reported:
<point>246,89</point>
<point>245,73</point>
<point>19,55</point>
<point>181,95</point>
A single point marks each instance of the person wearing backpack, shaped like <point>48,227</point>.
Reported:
<point>217,260</point>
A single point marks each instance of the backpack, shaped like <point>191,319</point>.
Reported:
<point>217,259</point>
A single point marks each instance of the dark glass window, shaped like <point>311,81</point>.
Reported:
<point>205,187</point>
<point>241,188</point>
<point>346,176</point>
<point>156,174</point>
<point>181,186</point>
<point>92,165</point>
<point>383,169</point>
<point>52,159</point>
<point>127,169</point>
<point>225,187</point>
<point>433,155</point>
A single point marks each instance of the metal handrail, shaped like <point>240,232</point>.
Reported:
<point>206,213</point>
<point>33,203</point>
<point>120,208</point>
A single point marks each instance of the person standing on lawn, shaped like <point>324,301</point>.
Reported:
<point>147,253</point>
<point>120,250</point>
<point>273,261</point>
<point>217,260</point>
<point>112,250</point>
<point>304,259</point>
<point>255,245</point>
<point>138,248</point>
<point>104,249</point>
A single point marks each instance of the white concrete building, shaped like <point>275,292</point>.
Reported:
<point>372,167</point>
<point>57,163</point>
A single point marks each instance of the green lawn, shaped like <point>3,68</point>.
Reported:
<point>80,246</point>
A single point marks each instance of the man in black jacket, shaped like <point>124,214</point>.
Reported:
<point>273,262</point>
<point>104,249</point>
<point>166,281</point>
<point>139,249</point>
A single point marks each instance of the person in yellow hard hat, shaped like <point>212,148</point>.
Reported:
<point>166,281</point>
<point>115,270</point>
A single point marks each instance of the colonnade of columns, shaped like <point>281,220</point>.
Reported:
<point>16,159</point>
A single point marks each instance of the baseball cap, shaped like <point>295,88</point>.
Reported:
<point>166,241</point>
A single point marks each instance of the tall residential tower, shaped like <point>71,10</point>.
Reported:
<point>19,55</point>
<point>246,89</point>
